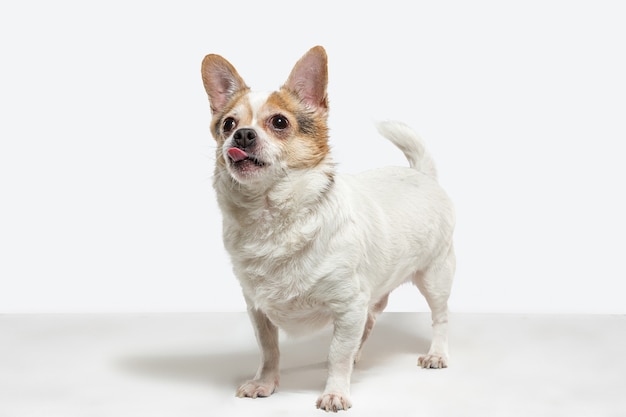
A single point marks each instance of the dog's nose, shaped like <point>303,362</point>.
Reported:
<point>244,138</point>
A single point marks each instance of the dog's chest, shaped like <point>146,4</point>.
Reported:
<point>279,274</point>
<point>276,259</point>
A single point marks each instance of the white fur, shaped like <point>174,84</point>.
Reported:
<point>311,247</point>
<point>407,140</point>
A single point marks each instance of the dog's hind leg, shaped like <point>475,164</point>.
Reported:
<point>371,320</point>
<point>435,285</point>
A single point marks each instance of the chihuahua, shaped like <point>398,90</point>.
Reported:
<point>311,247</point>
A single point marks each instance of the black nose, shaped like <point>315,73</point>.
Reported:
<point>244,138</point>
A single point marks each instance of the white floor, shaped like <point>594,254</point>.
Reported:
<point>189,365</point>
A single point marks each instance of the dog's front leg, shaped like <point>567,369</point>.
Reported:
<point>266,380</point>
<point>343,348</point>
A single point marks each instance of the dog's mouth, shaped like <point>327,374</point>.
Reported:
<point>240,158</point>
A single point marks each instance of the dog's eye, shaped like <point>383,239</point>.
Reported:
<point>279,122</point>
<point>229,124</point>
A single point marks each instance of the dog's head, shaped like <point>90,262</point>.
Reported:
<point>263,136</point>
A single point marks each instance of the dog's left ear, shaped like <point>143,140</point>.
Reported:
<point>309,78</point>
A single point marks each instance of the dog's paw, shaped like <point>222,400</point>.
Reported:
<point>333,402</point>
<point>432,362</point>
<point>257,388</point>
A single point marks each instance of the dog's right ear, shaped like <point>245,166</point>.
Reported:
<point>221,81</point>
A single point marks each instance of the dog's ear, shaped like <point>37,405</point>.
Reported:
<point>309,78</point>
<point>221,81</point>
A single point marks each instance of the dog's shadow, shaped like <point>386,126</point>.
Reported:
<point>303,360</point>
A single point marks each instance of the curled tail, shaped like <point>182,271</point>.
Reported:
<point>410,143</point>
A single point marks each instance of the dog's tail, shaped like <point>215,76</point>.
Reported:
<point>410,143</point>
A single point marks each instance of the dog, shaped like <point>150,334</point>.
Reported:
<point>311,247</point>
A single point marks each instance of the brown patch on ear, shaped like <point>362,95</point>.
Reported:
<point>309,78</point>
<point>221,81</point>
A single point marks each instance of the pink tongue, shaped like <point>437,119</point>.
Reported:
<point>237,154</point>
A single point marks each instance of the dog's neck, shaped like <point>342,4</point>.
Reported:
<point>292,195</point>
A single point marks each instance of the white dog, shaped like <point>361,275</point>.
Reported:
<point>311,247</point>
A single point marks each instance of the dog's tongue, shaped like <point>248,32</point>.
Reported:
<point>237,154</point>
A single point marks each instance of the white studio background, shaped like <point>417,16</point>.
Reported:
<point>106,158</point>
